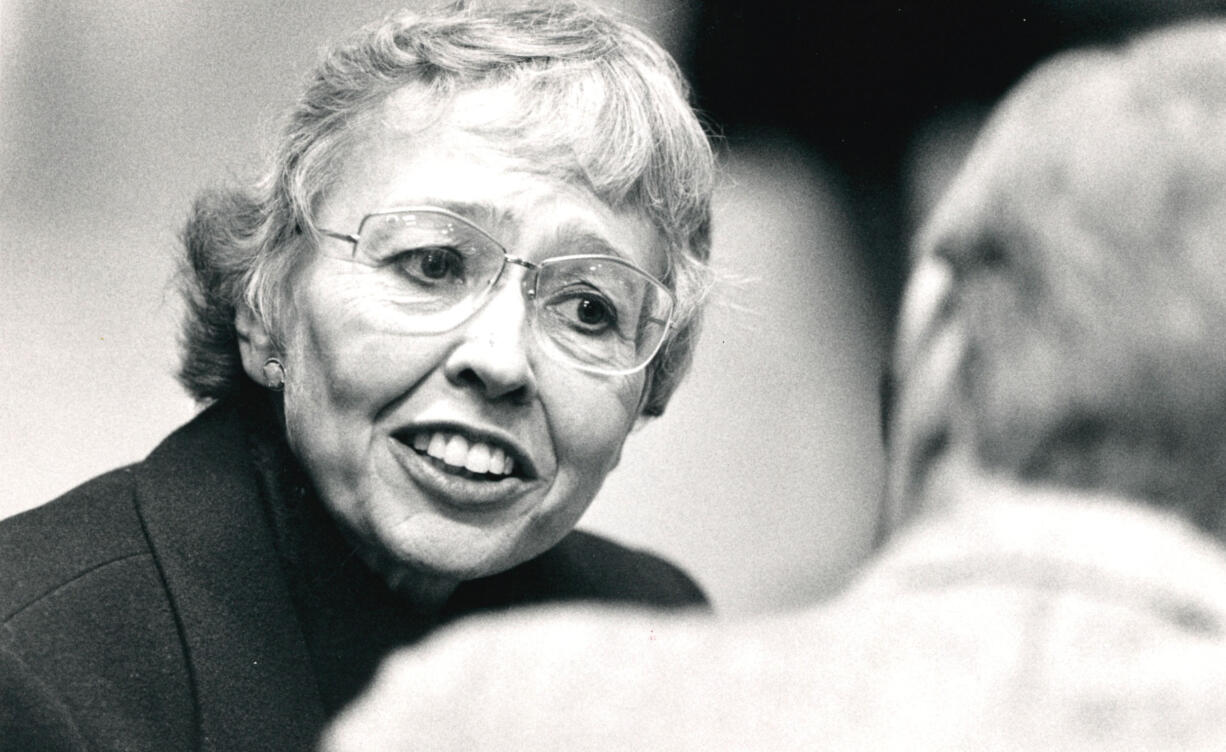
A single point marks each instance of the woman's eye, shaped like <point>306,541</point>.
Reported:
<point>431,264</point>
<point>590,312</point>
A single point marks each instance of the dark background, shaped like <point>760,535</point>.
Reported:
<point>857,80</point>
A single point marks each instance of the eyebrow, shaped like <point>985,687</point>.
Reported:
<point>580,240</point>
<point>478,212</point>
<point>575,237</point>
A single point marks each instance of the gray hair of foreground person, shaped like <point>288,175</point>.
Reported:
<point>600,104</point>
<point>1070,288</point>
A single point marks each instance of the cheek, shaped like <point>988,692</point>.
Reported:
<point>347,355</point>
<point>330,370</point>
<point>342,369</point>
<point>323,399</point>
<point>589,418</point>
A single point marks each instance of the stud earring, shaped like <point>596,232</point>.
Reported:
<point>274,374</point>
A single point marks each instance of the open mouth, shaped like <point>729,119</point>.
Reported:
<point>465,456</point>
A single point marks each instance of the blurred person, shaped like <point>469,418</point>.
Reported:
<point>476,261</point>
<point>1057,578</point>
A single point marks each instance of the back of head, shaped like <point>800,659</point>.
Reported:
<point>1084,248</point>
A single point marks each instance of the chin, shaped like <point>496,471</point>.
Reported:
<point>456,560</point>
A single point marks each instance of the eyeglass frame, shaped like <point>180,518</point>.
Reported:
<point>485,295</point>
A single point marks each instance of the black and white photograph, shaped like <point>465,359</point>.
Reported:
<point>314,434</point>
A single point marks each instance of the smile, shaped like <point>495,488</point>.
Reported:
<point>464,468</point>
<point>473,457</point>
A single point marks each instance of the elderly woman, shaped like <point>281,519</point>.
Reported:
<point>475,264</point>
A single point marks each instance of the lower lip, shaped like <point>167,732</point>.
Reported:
<point>454,490</point>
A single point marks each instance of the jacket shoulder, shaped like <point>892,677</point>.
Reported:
<point>629,574</point>
<point>588,567</point>
<point>49,546</point>
<point>87,627</point>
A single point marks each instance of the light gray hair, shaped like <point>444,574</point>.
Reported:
<point>601,104</point>
<point>1087,239</point>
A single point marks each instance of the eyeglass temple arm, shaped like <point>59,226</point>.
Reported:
<point>340,236</point>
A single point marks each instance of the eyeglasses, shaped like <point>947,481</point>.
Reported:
<point>435,269</point>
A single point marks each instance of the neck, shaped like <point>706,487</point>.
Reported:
<point>959,485</point>
<point>423,592</point>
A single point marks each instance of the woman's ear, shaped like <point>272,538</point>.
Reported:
<point>255,343</point>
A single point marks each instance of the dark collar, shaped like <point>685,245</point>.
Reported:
<point>349,616</point>
<point>199,498</point>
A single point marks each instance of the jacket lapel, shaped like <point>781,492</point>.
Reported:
<point>198,495</point>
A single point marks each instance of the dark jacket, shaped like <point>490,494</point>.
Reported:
<point>156,608</point>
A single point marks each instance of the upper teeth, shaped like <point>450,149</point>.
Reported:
<point>455,450</point>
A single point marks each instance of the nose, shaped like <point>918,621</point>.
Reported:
<point>492,355</point>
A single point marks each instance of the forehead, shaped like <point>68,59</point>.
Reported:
<point>405,155</point>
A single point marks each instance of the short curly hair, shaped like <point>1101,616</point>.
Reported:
<point>601,104</point>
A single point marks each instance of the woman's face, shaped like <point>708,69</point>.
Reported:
<point>362,399</point>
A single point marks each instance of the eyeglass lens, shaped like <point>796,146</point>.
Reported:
<point>437,270</point>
